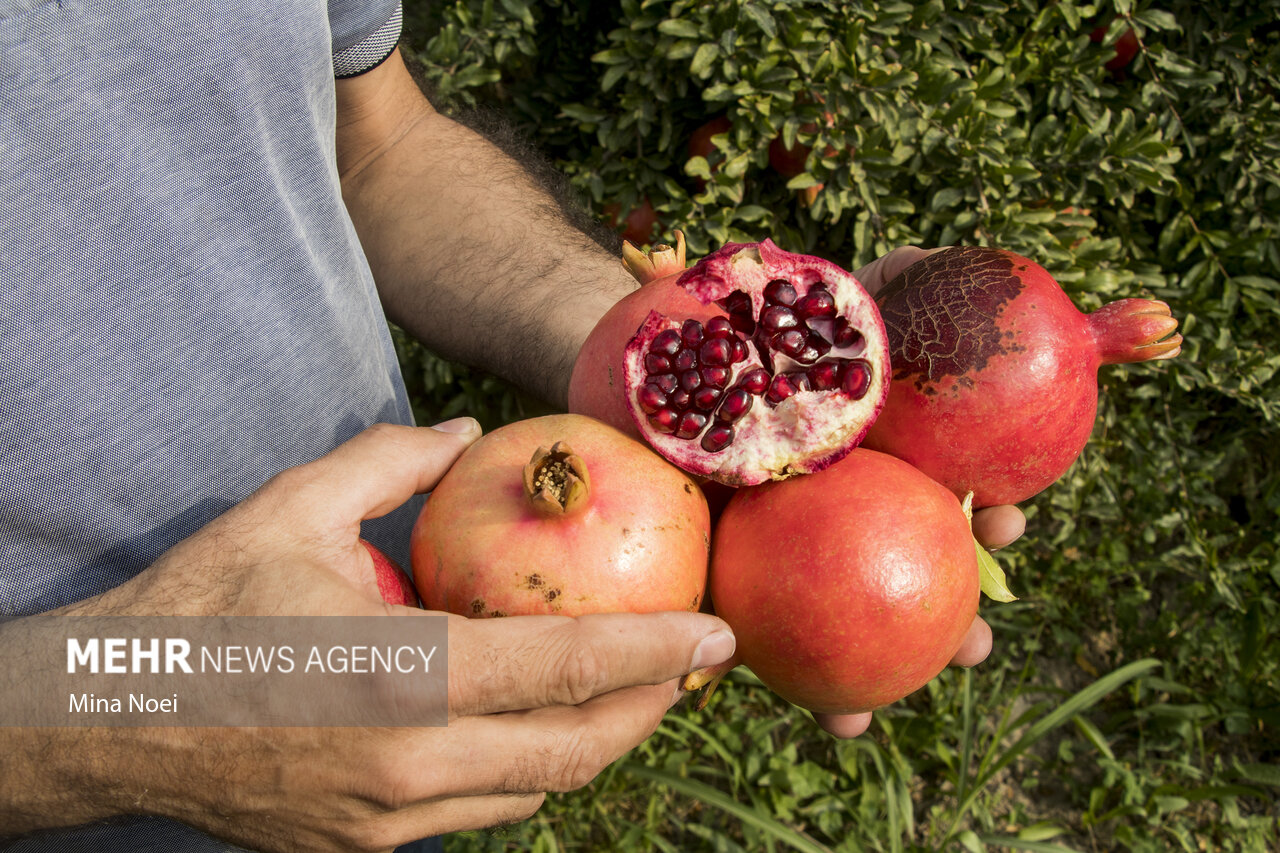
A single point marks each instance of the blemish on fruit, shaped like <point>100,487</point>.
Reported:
<point>496,613</point>
<point>551,594</point>
<point>477,605</point>
<point>533,581</point>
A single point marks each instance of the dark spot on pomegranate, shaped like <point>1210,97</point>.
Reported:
<point>941,313</point>
<point>533,581</point>
<point>552,594</point>
<point>477,606</point>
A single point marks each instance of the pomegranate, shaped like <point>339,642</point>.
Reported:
<point>847,589</point>
<point>561,514</point>
<point>1126,47</point>
<point>639,222</point>
<point>784,382</point>
<point>393,584</point>
<point>595,387</point>
<point>995,370</point>
<point>700,144</point>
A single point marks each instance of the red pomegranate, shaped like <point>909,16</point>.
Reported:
<point>1126,47</point>
<point>595,387</point>
<point>847,589</point>
<point>393,584</point>
<point>995,370</point>
<point>784,381</point>
<point>561,514</point>
<point>700,144</point>
<point>637,226</point>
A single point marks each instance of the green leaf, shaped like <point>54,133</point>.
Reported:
<point>994,584</point>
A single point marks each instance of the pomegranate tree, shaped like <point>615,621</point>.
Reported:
<point>847,589</point>
<point>779,372</point>
<point>561,514</point>
<point>995,370</point>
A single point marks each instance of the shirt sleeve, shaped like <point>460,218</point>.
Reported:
<point>356,52</point>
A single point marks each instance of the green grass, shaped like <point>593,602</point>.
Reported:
<point>1133,699</point>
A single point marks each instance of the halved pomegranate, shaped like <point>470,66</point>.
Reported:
<point>786,382</point>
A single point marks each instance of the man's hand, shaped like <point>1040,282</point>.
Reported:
<point>536,704</point>
<point>994,527</point>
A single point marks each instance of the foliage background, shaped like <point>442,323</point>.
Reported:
<point>1133,702</point>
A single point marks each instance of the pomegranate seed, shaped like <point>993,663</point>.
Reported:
<point>739,350</point>
<point>754,381</point>
<point>717,352</point>
<point>716,377</point>
<point>651,398</point>
<point>666,382</point>
<point>780,292</point>
<point>845,335</point>
<point>719,327</point>
<point>818,302</point>
<point>743,323</point>
<point>717,438</point>
<point>736,404</point>
<point>691,333</point>
<point>686,359</point>
<point>666,342</point>
<point>691,423</point>
<point>705,398</point>
<point>680,399</point>
<point>654,363</point>
<point>664,420</point>
<point>691,380</point>
<point>856,379</point>
<point>808,355</point>
<point>825,376</point>
<point>737,302</point>
<point>800,381</point>
<point>779,389</point>
<point>791,341</point>
<point>775,318</point>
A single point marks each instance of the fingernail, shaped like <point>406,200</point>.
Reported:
<point>715,648</point>
<point>679,694</point>
<point>457,426</point>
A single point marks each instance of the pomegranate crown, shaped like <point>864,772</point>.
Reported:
<point>659,262</point>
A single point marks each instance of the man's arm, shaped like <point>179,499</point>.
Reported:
<point>469,252</point>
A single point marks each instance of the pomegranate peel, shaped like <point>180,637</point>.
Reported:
<point>785,381</point>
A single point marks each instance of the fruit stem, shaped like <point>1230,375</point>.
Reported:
<point>1132,330</point>
<point>658,262</point>
<point>707,680</point>
<point>556,481</point>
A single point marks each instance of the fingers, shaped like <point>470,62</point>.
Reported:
<point>520,662</point>
<point>559,748</point>
<point>887,267</point>
<point>998,526</point>
<point>976,644</point>
<point>377,470</point>
<point>843,725</point>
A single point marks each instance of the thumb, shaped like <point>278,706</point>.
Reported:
<point>382,467</point>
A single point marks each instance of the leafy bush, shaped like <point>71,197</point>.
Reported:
<point>1149,575</point>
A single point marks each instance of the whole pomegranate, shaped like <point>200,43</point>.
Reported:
<point>782,379</point>
<point>561,514</point>
<point>1126,47</point>
<point>847,589</point>
<point>394,585</point>
<point>995,370</point>
<point>639,222</point>
<point>595,387</point>
<point>701,145</point>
